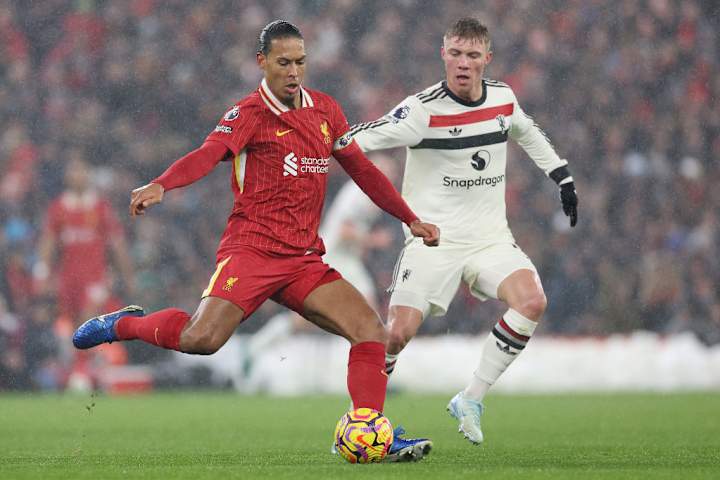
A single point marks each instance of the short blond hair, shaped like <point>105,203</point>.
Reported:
<point>469,28</point>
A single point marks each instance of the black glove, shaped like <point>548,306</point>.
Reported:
<point>568,195</point>
<point>569,199</point>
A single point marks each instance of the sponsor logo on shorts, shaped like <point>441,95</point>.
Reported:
<point>468,183</point>
<point>406,274</point>
<point>455,131</point>
<point>230,283</point>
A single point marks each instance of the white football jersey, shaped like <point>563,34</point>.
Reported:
<point>456,157</point>
<point>352,206</point>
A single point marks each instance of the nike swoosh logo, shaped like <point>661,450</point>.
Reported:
<point>284,132</point>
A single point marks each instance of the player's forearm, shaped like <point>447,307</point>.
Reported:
<point>375,185</point>
<point>536,144</point>
<point>561,175</point>
<point>541,152</point>
<point>193,166</point>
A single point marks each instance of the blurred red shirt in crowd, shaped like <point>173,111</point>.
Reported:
<point>80,226</point>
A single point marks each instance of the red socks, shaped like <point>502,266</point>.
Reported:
<point>367,380</point>
<point>162,328</point>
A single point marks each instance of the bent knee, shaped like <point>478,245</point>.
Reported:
<point>398,338</point>
<point>533,306</point>
<point>205,344</point>
<point>370,329</point>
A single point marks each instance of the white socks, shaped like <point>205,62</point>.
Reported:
<point>390,360</point>
<point>507,339</point>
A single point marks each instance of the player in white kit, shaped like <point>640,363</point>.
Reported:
<point>455,133</point>
<point>348,232</point>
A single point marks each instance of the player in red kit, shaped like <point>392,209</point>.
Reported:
<point>80,225</point>
<point>79,230</point>
<point>280,139</point>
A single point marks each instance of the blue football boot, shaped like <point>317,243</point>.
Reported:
<point>101,329</point>
<point>407,449</point>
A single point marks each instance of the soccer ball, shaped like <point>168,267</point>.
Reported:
<point>363,435</point>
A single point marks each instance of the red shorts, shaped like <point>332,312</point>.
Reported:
<point>248,276</point>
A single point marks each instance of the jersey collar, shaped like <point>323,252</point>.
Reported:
<point>459,100</point>
<point>276,106</point>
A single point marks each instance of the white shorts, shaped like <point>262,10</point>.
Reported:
<point>427,278</point>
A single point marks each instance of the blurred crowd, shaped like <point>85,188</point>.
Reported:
<point>628,90</point>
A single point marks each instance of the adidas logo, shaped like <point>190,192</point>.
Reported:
<point>455,131</point>
<point>505,348</point>
<point>291,165</point>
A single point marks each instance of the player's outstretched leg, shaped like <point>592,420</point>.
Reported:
<point>468,412</point>
<point>101,329</point>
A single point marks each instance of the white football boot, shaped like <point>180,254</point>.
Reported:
<point>468,413</point>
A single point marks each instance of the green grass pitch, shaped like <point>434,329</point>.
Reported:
<point>221,436</point>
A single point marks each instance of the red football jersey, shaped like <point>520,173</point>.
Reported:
<point>280,169</point>
<point>82,226</point>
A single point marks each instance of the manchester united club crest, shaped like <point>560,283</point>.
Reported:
<point>504,127</point>
<point>326,132</point>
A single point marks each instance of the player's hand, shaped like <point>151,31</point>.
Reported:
<point>569,199</point>
<point>144,197</point>
<point>427,231</point>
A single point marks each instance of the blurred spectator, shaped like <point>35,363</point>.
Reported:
<point>45,356</point>
<point>13,372</point>
<point>79,229</point>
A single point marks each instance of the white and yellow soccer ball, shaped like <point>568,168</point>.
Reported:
<point>363,435</point>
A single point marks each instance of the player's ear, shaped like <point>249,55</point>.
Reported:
<point>261,60</point>
<point>489,57</point>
